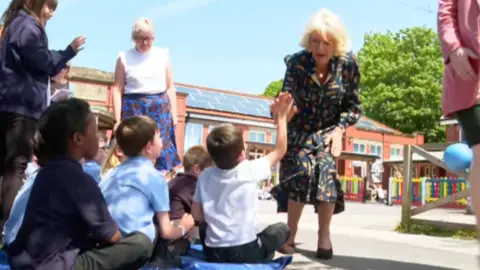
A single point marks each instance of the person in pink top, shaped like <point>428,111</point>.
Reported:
<point>459,33</point>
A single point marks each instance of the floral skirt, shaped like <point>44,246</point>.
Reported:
<point>158,108</point>
<point>309,176</point>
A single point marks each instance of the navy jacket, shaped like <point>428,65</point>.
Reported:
<point>26,65</point>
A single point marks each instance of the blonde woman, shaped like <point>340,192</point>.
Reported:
<point>323,78</point>
<point>143,85</point>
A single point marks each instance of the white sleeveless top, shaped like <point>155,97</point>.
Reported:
<point>145,73</point>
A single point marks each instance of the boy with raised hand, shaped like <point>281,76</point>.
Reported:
<point>226,195</point>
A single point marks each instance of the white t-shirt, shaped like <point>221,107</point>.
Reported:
<point>145,73</point>
<point>229,201</point>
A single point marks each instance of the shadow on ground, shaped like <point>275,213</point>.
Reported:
<point>356,263</point>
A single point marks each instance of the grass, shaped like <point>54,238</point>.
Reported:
<point>437,231</point>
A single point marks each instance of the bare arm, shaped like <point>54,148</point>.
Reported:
<point>167,230</point>
<point>197,212</point>
<point>171,92</point>
<point>447,24</point>
<point>281,145</point>
<point>117,89</point>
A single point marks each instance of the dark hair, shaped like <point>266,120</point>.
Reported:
<point>40,149</point>
<point>196,155</point>
<point>134,133</point>
<point>225,144</point>
<point>32,7</point>
<point>60,122</point>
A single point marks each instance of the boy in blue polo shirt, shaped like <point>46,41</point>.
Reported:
<point>135,191</point>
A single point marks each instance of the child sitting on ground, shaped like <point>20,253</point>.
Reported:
<point>135,191</point>
<point>226,195</point>
<point>182,187</point>
<point>66,223</point>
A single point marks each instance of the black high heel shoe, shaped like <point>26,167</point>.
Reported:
<point>325,254</point>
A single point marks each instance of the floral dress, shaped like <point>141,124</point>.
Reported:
<point>307,172</point>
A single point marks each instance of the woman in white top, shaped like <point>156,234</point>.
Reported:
<point>144,86</point>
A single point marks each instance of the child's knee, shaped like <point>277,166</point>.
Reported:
<point>142,246</point>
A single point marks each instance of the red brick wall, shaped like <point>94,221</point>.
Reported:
<point>384,139</point>
<point>345,167</point>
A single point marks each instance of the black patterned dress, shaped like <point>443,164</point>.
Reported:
<point>307,172</point>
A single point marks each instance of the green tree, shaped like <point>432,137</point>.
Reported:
<point>273,88</point>
<point>401,80</point>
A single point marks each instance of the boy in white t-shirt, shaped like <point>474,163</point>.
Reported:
<point>226,195</point>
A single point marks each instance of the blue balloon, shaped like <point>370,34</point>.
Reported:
<point>458,157</point>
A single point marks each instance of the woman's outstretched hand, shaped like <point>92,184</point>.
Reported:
<point>334,143</point>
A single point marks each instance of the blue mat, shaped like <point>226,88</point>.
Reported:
<point>196,261</point>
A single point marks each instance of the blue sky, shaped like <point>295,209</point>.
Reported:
<point>228,44</point>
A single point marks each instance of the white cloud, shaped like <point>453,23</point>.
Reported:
<point>174,7</point>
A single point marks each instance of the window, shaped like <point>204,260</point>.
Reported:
<point>210,128</point>
<point>359,148</point>
<point>193,135</point>
<point>256,153</point>
<point>376,150</point>
<point>274,138</point>
<point>427,171</point>
<point>434,171</point>
<point>396,152</point>
<point>257,136</point>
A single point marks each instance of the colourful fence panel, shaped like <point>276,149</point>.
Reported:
<point>353,188</point>
<point>426,190</point>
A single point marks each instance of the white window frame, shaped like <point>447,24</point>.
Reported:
<point>185,145</point>
<point>273,138</point>
<point>427,171</point>
<point>376,145</point>
<point>256,153</point>
<point>257,132</point>
<point>396,147</point>
<point>359,147</point>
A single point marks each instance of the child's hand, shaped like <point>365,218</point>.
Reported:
<point>187,222</point>
<point>283,107</point>
<point>77,43</point>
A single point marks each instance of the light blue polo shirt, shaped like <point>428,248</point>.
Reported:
<point>134,192</point>
<point>92,168</point>
<point>14,221</point>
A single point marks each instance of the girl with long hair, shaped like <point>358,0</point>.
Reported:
<point>26,65</point>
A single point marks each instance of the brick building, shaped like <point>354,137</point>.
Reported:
<point>199,109</point>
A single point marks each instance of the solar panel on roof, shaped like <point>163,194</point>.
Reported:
<point>211,100</point>
<point>200,98</point>
<point>187,90</point>
<point>253,112</point>
<point>210,94</point>
<point>225,107</point>
<point>200,104</point>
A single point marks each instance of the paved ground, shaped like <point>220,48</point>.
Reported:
<point>363,239</point>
